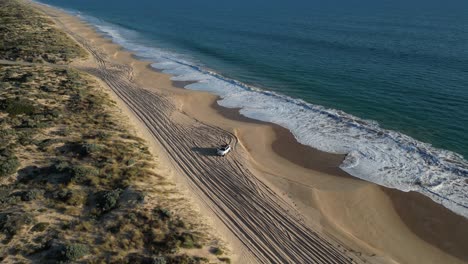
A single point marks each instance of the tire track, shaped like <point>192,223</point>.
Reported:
<point>268,226</point>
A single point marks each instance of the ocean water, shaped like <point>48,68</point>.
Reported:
<point>385,82</point>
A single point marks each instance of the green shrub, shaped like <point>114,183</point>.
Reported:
<point>9,163</point>
<point>17,106</point>
<point>26,35</point>
<point>217,251</point>
<point>47,88</point>
<point>140,258</point>
<point>90,148</point>
<point>70,197</point>
<point>226,260</point>
<point>81,173</point>
<point>102,135</point>
<point>108,200</point>
<point>76,198</point>
<point>5,194</point>
<point>132,172</point>
<point>39,227</point>
<point>187,240</point>
<point>162,213</point>
<point>25,137</point>
<point>178,223</point>
<point>158,260</point>
<point>184,259</point>
<point>61,166</point>
<point>31,195</point>
<point>42,145</point>
<point>75,251</point>
<point>11,223</point>
<point>130,162</point>
<point>54,113</point>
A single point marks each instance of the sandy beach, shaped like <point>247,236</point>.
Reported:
<point>272,199</point>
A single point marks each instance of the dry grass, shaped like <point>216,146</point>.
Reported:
<point>74,183</point>
<point>25,35</point>
<point>84,175</point>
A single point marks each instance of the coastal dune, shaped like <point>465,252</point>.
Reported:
<point>273,199</point>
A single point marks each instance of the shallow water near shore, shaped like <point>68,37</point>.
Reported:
<point>406,71</point>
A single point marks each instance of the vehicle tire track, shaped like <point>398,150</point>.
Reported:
<point>271,229</point>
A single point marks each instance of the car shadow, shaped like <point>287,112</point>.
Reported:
<point>205,151</point>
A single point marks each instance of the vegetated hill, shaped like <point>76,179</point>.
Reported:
<point>75,185</point>
<point>26,35</point>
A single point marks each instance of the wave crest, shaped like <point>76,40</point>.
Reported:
<point>385,157</point>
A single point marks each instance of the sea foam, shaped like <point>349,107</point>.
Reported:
<point>385,157</point>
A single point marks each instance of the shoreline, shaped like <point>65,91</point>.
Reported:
<point>404,202</point>
<point>325,182</point>
<point>284,140</point>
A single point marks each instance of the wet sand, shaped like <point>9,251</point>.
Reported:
<point>273,200</point>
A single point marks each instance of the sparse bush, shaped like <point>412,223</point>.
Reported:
<point>162,213</point>
<point>5,194</point>
<point>82,173</point>
<point>132,172</point>
<point>26,36</point>
<point>54,113</point>
<point>130,162</point>
<point>187,241</point>
<point>47,88</point>
<point>184,259</point>
<point>217,251</point>
<point>139,258</point>
<point>11,223</point>
<point>102,135</point>
<point>136,197</point>
<point>226,260</point>
<point>179,223</point>
<point>70,197</point>
<point>61,166</point>
<point>31,195</point>
<point>72,252</point>
<point>108,200</point>
<point>42,145</point>
<point>39,227</point>
<point>9,163</point>
<point>159,260</point>
<point>90,148</point>
<point>85,226</point>
<point>25,137</point>
<point>17,106</point>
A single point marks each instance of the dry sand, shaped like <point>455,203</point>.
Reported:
<point>272,199</point>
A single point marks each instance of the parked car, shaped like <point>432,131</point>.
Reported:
<point>223,150</point>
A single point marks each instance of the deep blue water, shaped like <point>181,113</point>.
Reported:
<point>403,64</point>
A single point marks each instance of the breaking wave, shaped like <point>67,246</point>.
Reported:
<point>385,157</point>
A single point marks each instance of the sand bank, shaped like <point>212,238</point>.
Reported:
<point>272,199</point>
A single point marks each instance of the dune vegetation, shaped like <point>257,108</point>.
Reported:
<point>26,35</point>
<point>75,184</point>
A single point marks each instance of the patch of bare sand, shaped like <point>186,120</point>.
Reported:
<point>385,225</point>
<point>380,225</point>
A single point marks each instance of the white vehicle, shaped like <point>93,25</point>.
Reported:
<point>223,150</point>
